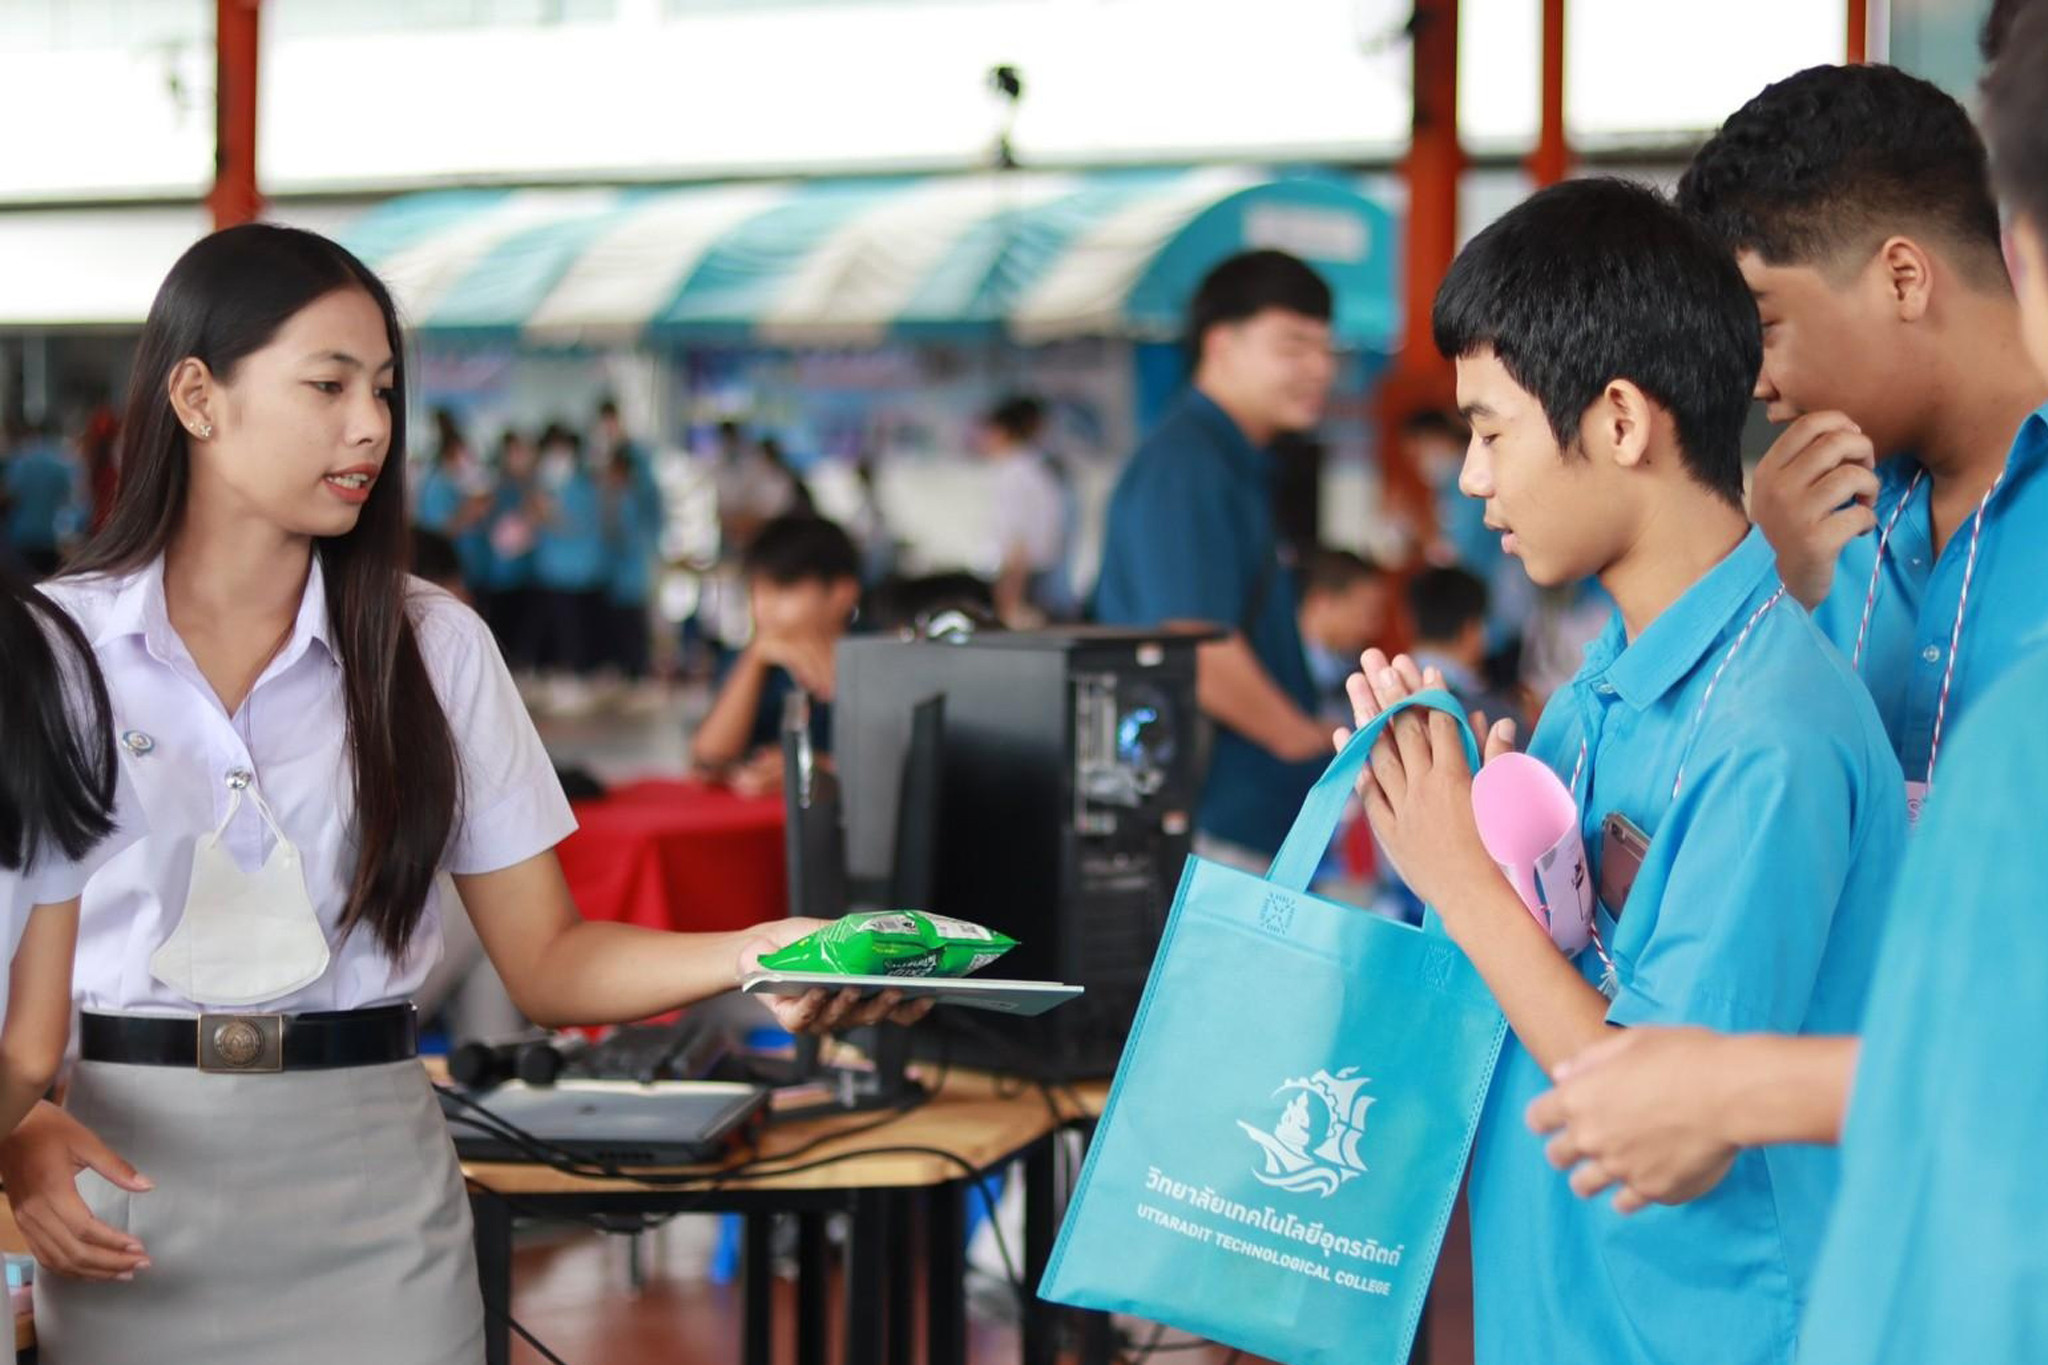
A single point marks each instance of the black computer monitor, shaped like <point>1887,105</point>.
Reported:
<point>814,840</point>
<point>913,884</point>
<point>814,837</point>
<point>814,847</point>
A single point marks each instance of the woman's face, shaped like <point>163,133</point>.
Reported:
<point>301,429</point>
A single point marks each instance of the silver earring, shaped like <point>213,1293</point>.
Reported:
<point>204,432</point>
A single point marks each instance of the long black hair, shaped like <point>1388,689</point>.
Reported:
<point>226,298</point>
<point>56,729</point>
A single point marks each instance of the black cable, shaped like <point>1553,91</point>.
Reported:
<point>529,1338</point>
<point>1151,1345</point>
<point>1152,1348</point>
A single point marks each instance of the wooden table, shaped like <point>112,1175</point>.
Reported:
<point>921,1163</point>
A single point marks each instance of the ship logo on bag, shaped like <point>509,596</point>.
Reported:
<point>1314,1146</point>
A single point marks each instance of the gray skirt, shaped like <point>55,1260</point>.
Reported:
<point>304,1218</point>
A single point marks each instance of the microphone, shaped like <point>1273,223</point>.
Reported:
<point>535,1058</point>
<point>543,1061</point>
<point>479,1065</point>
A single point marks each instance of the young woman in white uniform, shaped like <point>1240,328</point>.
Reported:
<point>313,737</point>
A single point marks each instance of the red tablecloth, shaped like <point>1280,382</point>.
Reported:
<point>677,855</point>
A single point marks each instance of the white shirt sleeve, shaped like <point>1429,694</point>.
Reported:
<point>512,806</point>
<point>1028,511</point>
<point>56,879</point>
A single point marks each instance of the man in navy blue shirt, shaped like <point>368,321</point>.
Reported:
<point>1191,542</point>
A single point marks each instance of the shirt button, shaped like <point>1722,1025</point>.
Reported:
<point>1606,689</point>
<point>1932,654</point>
<point>239,778</point>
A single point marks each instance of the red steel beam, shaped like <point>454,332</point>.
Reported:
<point>235,197</point>
<point>1420,377</point>
<point>1552,157</point>
<point>1859,31</point>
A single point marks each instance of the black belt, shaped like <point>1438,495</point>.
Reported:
<point>253,1042</point>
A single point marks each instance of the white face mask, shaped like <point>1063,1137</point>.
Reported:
<point>557,467</point>
<point>245,937</point>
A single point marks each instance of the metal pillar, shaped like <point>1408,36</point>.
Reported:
<point>235,197</point>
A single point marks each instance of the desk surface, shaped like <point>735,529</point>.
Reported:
<point>981,1119</point>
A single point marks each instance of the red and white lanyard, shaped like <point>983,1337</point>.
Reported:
<point>1699,716</point>
<point>1955,636</point>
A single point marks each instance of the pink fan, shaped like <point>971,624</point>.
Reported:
<point>1529,823</point>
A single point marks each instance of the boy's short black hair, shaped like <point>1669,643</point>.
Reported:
<point>1445,601</point>
<point>2016,114</point>
<point>1596,280</point>
<point>801,549</point>
<point>1335,571</point>
<point>1019,417</point>
<point>1824,165</point>
<point>1248,284</point>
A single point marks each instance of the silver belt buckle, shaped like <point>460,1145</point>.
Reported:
<point>241,1043</point>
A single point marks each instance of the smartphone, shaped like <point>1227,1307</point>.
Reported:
<point>1623,846</point>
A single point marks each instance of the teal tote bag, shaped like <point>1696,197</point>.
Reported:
<point>1292,1114</point>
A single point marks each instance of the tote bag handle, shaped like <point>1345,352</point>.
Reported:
<point>1295,865</point>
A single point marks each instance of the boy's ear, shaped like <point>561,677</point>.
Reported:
<point>845,597</point>
<point>1906,273</point>
<point>1617,426</point>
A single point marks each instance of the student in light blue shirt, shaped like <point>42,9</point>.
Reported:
<point>1936,1251</point>
<point>632,511</point>
<point>1941,592</point>
<point>512,602</point>
<point>1857,203</point>
<point>571,562</point>
<point>455,503</point>
<point>1604,347</point>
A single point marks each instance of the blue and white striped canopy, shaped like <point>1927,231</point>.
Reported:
<point>1034,256</point>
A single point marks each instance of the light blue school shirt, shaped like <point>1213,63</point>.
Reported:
<point>632,524</point>
<point>507,573</point>
<point>442,497</point>
<point>571,555</point>
<point>1758,907</point>
<point>1939,1246</point>
<point>1906,655</point>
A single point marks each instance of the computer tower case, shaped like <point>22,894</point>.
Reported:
<point>1070,766</point>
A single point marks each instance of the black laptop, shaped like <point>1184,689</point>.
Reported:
<point>613,1123</point>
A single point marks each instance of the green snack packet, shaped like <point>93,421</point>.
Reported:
<point>892,943</point>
